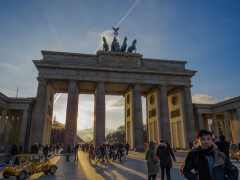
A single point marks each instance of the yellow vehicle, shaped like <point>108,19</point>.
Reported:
<point>29,164</point>
<point>233,152</point>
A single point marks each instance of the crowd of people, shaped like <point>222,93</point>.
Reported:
<point>43,150</point>
<point>106,149</point>
<point>207,159</point>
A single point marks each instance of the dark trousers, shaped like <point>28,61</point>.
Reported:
<point>153,177</point>
<point>167,168</point>
<point>67,156</point>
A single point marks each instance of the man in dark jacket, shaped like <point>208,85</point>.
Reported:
<point>34,149</point>
<point>223,145</point>
<point>165,159</point>
<point>127,148</point>
<point>207,161</point>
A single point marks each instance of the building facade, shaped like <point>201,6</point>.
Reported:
<point>166,84</point>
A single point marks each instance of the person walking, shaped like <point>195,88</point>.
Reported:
<point>152,161</point>
<point>127,148</point>
<point>223,145</point>
<point>45,150</point>
<point>165,159</point>
<point>171,153</point>
<point>68,151</point>
<point>207,161</point>
<point>76,148</point>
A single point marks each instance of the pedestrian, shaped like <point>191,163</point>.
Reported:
<point>8,154</point>
<point>20,148</point>
<point>76,148</point>
<point>14,151</point>
<point>57,148</point>
<point>54,148</point>
<point>223,145</point>
<point>171,154</point>
<point>68,151</point>
<point>34,148</point>
<point>152,161</point>
<point>102,149</point>
<point>50,148</point>
<point>165,159</point>
<point>207,161</point>
<point>127,148</point>
<point>45,150</point>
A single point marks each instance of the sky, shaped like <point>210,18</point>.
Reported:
<point>204,33</point>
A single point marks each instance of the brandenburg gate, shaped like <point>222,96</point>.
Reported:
<point>166,84</point>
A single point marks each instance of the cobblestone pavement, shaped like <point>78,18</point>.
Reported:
<point>133,167</point>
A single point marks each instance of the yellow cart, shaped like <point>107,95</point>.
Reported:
<point>29,164</point>
<point>233,152</point>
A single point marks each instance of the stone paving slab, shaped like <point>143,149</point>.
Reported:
<point>133,167</point>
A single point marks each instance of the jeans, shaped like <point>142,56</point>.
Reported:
<point>153,177</point>
<point>127,152</point>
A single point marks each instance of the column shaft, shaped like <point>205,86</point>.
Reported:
<point>228,126</point>
<point>71,115</point>
<point>137,117</point>
<point>40,112</point>
<point>215,125</point>
<point>190,124</point>
<point>7,131</point>
<point>23,129</point>
<point>2,126</point>
<point>15,131</point>
<point>164,114</point>
<point>99,114</point>
<point>200,121</point>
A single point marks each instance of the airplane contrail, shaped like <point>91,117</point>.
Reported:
<point>118,23</point>
<point>57,98</point>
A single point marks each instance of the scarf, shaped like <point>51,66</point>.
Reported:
<point>202,163</point>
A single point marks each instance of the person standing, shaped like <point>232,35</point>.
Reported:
<point>127,148</point>
<point>8,154</point>
<point>20,148</point>
<point>165,159</point>
<point>223,145</point>
<point>68,151</point>
<point>45,150</point>
<point>14,151</point>
<point>207,161</point>
<point>152,161</point>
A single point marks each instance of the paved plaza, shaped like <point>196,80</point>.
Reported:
<point>133,167</point>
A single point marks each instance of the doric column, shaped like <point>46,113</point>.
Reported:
<point>71,115</point>
<point>215,125</point>
<point>164,114</point>
<point>99,114</point>
<point>2,126</point>
<point>228,126</point>
<point>137,117</point>
<point>190,125</point>
<point>6,141</point>
<point>40,112</point>
<point>200,121</point>
<point>23,129</point>
<point>16,126</point>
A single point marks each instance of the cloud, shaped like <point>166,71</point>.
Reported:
<point>8,65</point>
<point>108,35</point>
<point>227,98</point>
<point>119,102</point>
<point>204,99</point>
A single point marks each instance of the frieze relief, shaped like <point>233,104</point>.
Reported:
<point>122,76</point>
<point>121,61</point>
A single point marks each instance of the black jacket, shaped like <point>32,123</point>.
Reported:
<point>164,155</point>
<point>223,146</point>
<point>14,150</point>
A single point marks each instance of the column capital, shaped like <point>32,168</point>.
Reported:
<point>162,85</point>
<point>42,79</point>
<point>100,82</point>
<point>187,86</point>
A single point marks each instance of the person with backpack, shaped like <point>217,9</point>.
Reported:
<point>207,161</point>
